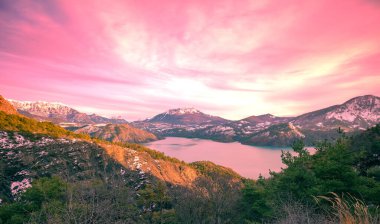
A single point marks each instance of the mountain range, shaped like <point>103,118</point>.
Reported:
<point>59,113</point>
<point>31,149</point>
<point>353,115</point>
<point>50,173</point>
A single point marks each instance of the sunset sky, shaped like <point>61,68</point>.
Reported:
<point>232,58</point>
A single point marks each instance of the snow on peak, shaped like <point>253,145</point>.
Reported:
<point>179,111</point>
<point>39,103</point>
<point>365,107</point>
<point>42,108</point>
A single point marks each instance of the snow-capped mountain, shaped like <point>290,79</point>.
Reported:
<point>186,116</point>
<point>58,113</point>
<point>358,113</point>
<point>42,108</point>
<point>180,111</point>
<point>354,115</point>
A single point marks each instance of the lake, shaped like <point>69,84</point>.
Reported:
<point>248,161</point>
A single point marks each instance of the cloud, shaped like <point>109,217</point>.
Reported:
<point>233,58</point>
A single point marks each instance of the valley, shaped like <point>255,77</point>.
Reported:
<point>189,112</point>
<point>248,161</point>
<point>140,184</point>
<point>352,116</point>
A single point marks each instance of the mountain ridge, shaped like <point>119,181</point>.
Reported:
<point>355,114</point>
<point>185,116</point>
<point>123,133</point>
<point>59,113</point>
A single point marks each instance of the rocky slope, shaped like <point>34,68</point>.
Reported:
<point>6,106</point>
<point>59,113</point>
<point>354,115</point>
<point>117,133</point>
<point>358,113</point>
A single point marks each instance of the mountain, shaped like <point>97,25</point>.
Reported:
<point>117,133</point>
<point>266,118</point>
<point>30,149</point>
<point>253,124</point>
<point>358,113</point>
<point>192,123</point>
<point>6,106</point>
<point>180,122</point>
<point>352,116</point>
<point>185,116</point>
<point>88,180</point>
<point>59,113</point>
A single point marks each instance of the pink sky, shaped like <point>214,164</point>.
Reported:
<point>231,58</point>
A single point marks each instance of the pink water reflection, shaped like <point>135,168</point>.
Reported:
<point>248,161</point>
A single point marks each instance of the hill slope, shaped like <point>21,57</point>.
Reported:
<point>6,107</point>
<point>117,133</point>
<point>358,113</point>
<point>31,149</point>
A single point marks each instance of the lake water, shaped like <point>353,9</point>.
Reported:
<point>248,161</point>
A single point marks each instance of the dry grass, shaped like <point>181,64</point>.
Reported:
<point>350,210</point>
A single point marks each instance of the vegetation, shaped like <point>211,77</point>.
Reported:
<point>351,210</point>
<point>339,183</point>
<point>208,169</point>
<point>32,128</point>
<point>52,200</point>
<point>290,194</point>
<point>153,153</point>
<point>14,122</point>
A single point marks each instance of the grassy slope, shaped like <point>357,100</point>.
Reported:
<point>17,123</point>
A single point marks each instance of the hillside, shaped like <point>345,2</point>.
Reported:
<point>6,106</point>
<point>25,133</point>
<point>51,175</point>
<point>137,179</point>
<point>122,133</point>
<point>353,116</point>
<point>358,113</point>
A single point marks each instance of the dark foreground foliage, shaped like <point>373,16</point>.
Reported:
<point>349,167</point>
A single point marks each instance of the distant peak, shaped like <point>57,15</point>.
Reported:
<point>39,102</point>
<point>363,99</point>
<point>178,111</point>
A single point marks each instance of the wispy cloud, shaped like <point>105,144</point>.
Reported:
<point>233,58</point>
